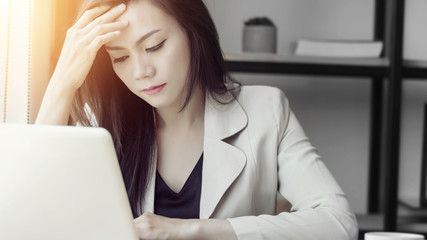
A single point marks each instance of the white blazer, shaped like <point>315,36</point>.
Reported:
<point>254,147</point>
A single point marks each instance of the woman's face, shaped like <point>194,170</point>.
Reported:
<point>152,55</point>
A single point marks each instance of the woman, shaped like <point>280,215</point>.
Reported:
<point>202,157</point>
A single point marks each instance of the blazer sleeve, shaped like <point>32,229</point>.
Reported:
<point>320,209</point>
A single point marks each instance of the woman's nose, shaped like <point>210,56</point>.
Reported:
<point>143,70</point>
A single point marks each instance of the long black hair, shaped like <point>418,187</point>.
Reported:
<point>130,119</point>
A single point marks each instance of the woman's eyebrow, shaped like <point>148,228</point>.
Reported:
<point>139,41</point>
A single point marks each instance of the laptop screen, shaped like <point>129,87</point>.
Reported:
<point>61,182</point>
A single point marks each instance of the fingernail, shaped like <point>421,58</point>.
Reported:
<point>121,6</point>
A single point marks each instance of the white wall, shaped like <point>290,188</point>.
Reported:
<point>333,111</point>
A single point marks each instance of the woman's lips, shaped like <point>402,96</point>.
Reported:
<point>154,89</point>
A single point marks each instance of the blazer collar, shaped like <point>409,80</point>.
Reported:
<point>223,120</point>
<point>222,162</point>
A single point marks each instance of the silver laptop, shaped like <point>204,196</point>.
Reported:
<point>61,182</point>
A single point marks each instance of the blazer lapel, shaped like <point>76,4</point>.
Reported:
<point>222,162</point>
<point>148,204</point>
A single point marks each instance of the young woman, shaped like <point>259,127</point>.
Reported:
<point>201,157</point>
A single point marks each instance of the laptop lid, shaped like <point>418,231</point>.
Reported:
<point>61,182</point>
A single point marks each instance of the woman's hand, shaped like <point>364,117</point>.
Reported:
<point>95,28</point>
<point>152,226</point>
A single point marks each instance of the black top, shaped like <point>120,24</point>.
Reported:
<point>186,203</point>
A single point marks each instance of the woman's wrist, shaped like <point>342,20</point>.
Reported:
<point>56,105</point>
<point>63,84</point>
<point>189,229</point>
<point>207,229</point>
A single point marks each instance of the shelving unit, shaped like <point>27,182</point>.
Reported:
<point>384,150</point>
<point>277,64</point>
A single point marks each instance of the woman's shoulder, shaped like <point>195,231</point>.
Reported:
<point>261,103</point>
<point>261,95</point>
<point>266,108</point>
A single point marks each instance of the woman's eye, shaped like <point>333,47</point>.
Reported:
<point>120,59</point>
<point>157,47</point>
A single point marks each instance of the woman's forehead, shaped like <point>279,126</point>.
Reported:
<point>144,12</point>
<point>143,17</point>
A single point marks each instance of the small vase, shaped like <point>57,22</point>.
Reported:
<point>260,38</point>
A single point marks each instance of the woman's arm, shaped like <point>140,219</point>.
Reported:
<point>320,209</point>
<point>56,105</point>
<point>96,27</point>
<point>151,226</point>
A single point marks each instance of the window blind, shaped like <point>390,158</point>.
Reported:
<point>15,60</point>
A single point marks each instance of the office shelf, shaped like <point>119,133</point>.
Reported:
<point>290,64</point>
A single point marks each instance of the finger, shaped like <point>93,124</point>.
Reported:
<point>89,15</point>
<point>100,40</point>
<point>109,16</point>
<point>106,28</point>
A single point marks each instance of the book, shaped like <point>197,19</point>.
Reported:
<point>339,48</point>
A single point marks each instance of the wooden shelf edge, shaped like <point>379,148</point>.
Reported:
<point>280,64</point>
<point>276,58</point>
<point>415,69</point>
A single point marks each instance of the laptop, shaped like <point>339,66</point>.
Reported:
<point>61,182</point>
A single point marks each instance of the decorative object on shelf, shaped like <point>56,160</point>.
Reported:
<point>339,48</point>
<point>423,193</point>
<point>260,35</point>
